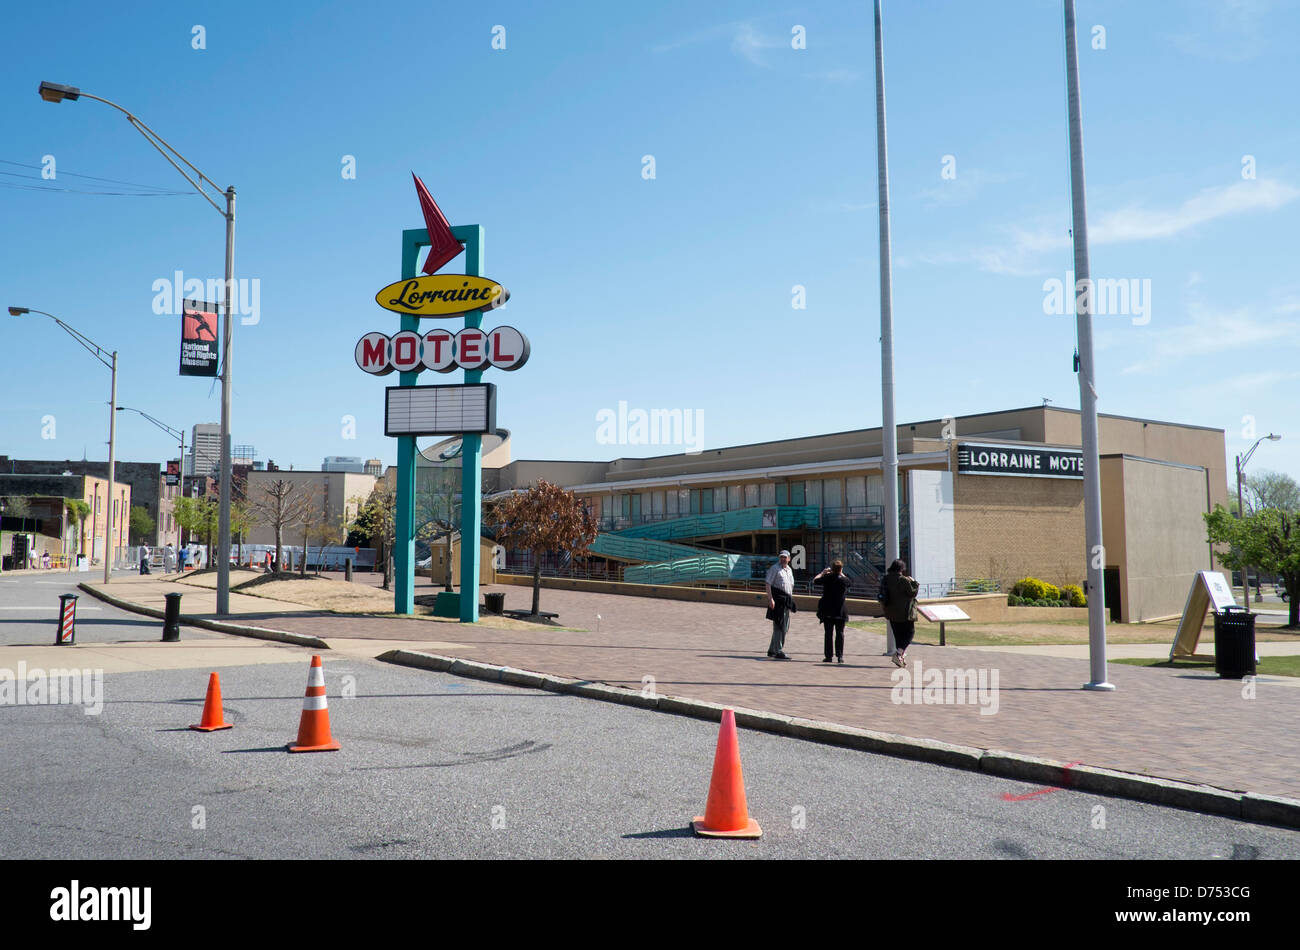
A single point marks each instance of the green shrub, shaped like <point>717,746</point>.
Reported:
<point>1013,600</point>
<point>1074,595</point>
<point>1031,588</point>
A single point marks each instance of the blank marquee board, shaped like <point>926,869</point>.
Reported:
<point>456,409</point>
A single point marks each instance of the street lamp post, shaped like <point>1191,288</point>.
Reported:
<point>1241,511</point>
<point>100,354</point>
<point>55,92</point>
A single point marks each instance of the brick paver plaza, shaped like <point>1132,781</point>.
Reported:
<point>1179,724</point>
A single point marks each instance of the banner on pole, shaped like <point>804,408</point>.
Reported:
<point>199,325</point>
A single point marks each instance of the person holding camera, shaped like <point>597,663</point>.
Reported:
<point>831,610</point>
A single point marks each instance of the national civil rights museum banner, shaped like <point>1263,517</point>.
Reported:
<point>974,458</point>
<point>199,352</point>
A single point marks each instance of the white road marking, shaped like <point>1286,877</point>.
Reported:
<point>54,607</point>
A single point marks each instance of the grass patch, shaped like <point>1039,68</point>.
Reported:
<point>1060,632</point>
<point>1267,665</point>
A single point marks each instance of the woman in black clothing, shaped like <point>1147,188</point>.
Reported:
<point>830,609</point>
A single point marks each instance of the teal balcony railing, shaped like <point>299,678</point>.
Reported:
<point>685,527</point>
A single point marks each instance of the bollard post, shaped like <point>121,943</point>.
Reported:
<point>172,619</point>
<point>347,570</point>
<point>66,632</point>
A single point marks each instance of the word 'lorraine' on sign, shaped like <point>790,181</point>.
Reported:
<point>442,351</point>
<point>979,458</point>
<point>442,295</point>
<point>458,409</point>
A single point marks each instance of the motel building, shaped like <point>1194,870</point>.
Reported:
<point>984,500</point>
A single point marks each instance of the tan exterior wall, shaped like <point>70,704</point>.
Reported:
<point>1006,528</point>
<point>96,496</point>
<point>334,492</point>
<point>1163,532</point>
<point>1187,445</point>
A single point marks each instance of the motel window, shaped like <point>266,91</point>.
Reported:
<point>647,504</point>
<point>670,503</point>
<point>719,499</point>
<point>831,492</point>
<point>684,500</point>
<point>735,497</point>
<point>657,503</point>
<point>875,490</point>
<point>783,494</point>
<point>751,496</point>
<point>814,492</point>
<point>797,494</point>
<point>767,494</point>
<point>855,491</point>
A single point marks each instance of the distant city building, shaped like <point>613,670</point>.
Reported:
<point>374,467</point>
<point>342,463</point>
<point>205,449</point>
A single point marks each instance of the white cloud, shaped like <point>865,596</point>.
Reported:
<point>1141,224</point>
<point>748,44</point>
<point>1019,254</point>
<point>1208,332</point>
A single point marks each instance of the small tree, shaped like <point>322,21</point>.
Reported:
<point>545,518</point>
<point>375,521</point>
<point>199,518</point>
<point>1272,490</point>
<point>1268,539</point>
<point>141,525</point>
<point>79,511</point>
<point>241,520</point>
<point>18,506</point>
<point>280,504</point>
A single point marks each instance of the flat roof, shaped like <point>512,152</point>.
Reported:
<point>850,432</point>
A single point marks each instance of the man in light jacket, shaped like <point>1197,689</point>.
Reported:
<point>780,602</point>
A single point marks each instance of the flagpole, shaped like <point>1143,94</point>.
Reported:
<point>1087,378</point>
<point>888,430</point>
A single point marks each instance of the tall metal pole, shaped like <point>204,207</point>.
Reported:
<point>223,517</point>
<point>1095,554</point>
<point>1241,513</point>
<point>112,470</point>
<point>888,431</point>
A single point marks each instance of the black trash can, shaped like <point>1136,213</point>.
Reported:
<point>1234,643</point>
<point>494,603</point>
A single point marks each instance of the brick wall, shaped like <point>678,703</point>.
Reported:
<point>1007,528</point>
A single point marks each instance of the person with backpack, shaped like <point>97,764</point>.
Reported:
<point>898,600</point>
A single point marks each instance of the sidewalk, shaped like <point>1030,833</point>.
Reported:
<point>1179,724</point>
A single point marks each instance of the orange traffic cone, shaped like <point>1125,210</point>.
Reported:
<point>726,815</point>
<point>314,726</point>
<point>212,719</point>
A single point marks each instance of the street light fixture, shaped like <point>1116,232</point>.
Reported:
<point>55,92</point>
<point>1241,511</point>
<point>99,353</point>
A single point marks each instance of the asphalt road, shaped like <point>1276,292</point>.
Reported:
<point>433,766</point>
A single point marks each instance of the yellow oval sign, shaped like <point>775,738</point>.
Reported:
<point>442,295</point>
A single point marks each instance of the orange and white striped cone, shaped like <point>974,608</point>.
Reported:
<point>314,726</point>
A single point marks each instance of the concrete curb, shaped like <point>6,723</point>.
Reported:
<point>219,626</point>
<point>1245,806</point>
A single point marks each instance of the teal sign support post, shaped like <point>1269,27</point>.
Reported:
<point>471,474</point>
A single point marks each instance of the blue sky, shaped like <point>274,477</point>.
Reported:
<point>675,291</point>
